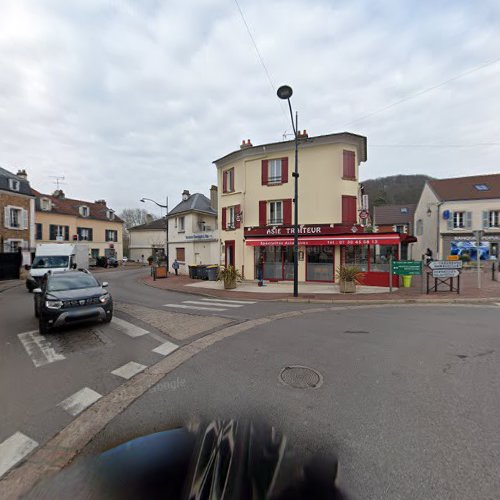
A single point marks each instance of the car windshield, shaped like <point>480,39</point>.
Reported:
<point>71,282</point>
<point>50,261</point>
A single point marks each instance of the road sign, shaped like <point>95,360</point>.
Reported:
<point>363,214</point>
<point>406,267</point>
<point>446,264</point>
<point>445,273</point>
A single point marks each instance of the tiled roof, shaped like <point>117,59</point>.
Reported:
<point>69,206</point>
<point>24,185</point>
<point>464,188</point>
<point>393,214</point>
<point>156,224</point>
<point>196,202</point>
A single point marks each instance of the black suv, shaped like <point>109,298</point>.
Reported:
<point>70,297</point>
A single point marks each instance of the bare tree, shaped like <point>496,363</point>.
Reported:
<point>135,217</point>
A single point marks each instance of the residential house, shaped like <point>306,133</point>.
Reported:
<point>64,219</point>
<point>147,240</point>
<point>17,206</point>
<point>450,210</point>
<point>256,190</point>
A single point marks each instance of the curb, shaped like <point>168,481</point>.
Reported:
<point>4,289</point>
<point>63,448</point>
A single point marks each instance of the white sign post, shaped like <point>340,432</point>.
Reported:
<point>445,273</point>
<point>478,235</point>
<point>446,264</point>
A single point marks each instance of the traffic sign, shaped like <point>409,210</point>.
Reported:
<point>446,264</point>
<point>407,267</point>
<point>445,273</point>
<point>363,214</point>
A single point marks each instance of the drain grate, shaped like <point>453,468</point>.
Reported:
<point>300,377</point>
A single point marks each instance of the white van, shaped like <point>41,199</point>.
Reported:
<point>56,257</point>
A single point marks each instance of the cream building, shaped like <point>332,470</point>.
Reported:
<point>450,210</point>
<point>256,189</point>
<point>64,219</point>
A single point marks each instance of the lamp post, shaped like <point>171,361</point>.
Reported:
<point>285,92</point>
<point>143,200</point>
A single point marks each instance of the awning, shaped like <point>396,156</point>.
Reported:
<point>360,239</point>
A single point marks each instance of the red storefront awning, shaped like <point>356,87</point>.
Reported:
<point>360,239</point>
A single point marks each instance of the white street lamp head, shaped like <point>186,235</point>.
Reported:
<point>285,92</point>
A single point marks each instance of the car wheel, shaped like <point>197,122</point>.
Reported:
<point>43,327</point>
<point>37,314</point>
<point>29,287</point>
<point>108,318</point>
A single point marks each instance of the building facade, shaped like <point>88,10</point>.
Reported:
<point>256,190</point>
<point>147,240</point>
<point>17,206</point>
<point>451,210</point>
<point>64,219</point>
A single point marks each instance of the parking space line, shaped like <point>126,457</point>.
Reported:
<point>166,348</point>
<point>79,401</point>
<point>211,303</point>
<point>39,349</point>
<point>14,449</point>
<point>225,301</point>
<point>128,328</point>
<point>128,370</point>
<point>181,306</point>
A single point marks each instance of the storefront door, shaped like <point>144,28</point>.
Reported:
<point>320,265</point>
<point>278,262</point>
<point>230,253</point>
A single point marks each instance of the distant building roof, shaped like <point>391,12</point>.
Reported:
<point>393,214</point>
<point>476,187</point>
<point>24,185</point>
<point>196,202</point>
<point>151,226</point>
<point>68,206</point>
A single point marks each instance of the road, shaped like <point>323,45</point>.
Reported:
<point>409,400</point>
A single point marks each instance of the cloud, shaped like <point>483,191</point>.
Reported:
<point>130,99</point>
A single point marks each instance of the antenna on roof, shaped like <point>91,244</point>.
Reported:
<point>285,135</point>
<point>58,180</point>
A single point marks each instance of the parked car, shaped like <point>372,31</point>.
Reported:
<point>112,262</point>
<point>70,297</point>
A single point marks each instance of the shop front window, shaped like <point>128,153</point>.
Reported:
<point>320,265</point>
<point>278,262</point>
<point>380,257</point>
<point>356,255</point>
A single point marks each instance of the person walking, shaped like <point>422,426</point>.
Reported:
<point>260,270</point>
<point>175,267</point>
<point>428,256</point>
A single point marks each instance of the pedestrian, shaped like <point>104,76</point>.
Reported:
<point>142,259</point>
<point>260,270</point>
<point>175,267</point>
<point>428,256</point>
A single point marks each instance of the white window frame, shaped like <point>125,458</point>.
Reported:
<point>494,218</point>
<point>45,204</point>
<point>110,214</point>
<point>8,244</point>
<point>275,206</point>
<point>113,232</point>
<point>420,227</point>
<point>84,211</point>
<point>83,237</point>
<point>230,218</point>
<point>59,232</point>
<point>12,211</point>
<point>181,224</point>
<point>459,220</point>
<point>275,171</point>
<point>230,181</point>
<point>14,185</point>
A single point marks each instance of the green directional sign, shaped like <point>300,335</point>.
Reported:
<point>407,267</point>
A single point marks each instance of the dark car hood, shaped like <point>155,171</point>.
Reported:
<point>82,293</point>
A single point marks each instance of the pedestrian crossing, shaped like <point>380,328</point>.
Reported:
<point>212,305</point>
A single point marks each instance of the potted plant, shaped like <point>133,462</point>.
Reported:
<point>229,275</point>
<point>348,277</point>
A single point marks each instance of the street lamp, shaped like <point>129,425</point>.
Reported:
<point>143,200</point>
<point>285,92</point>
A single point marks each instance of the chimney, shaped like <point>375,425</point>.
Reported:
<point>213,197</point>
<point>303,135</point>
<point>58,193</point>
<point>246,144</point>
<point>22,173</point>
<point>185,195</point>
<point>100,202</point>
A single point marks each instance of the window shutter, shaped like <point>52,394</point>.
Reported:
<point>24,223</point>
<point>348,210</point>
<point>232,180</point>
<point>6,220</point>
<point>237,219</point>
<point>486,219</point>
<point>349,170</point>
<point>284,170</point>
<point>91,234</point>
<point>66,233</point>
<point>224,181</point>
<point>287,212</point>
<point>262,213</point>
<point>265,172</point>
<point>52,232</point>
<point>468,220</point>
<point>450,220</point>
<point>224,225</point>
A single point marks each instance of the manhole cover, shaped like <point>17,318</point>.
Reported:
<point>300,377</point>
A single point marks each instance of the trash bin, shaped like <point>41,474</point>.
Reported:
<point>193,272</point>
<point>202,272</point>
<point>406,281</point>
<point>212,272</point>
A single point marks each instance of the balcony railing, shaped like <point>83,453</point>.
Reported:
<point>274,180</point>
<point>274,221</point>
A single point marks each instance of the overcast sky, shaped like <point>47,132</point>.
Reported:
<point>136,98</point>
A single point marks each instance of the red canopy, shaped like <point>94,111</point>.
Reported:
<point>360,239</point>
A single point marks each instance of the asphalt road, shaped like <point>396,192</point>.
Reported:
<point>409,402</point>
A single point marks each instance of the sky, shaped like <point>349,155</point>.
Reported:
<point>132,99</point>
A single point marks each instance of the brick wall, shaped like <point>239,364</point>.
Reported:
<point>15,200</point>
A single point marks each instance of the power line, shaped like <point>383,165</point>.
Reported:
<point>424,91</point>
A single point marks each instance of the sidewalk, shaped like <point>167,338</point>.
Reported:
<point>328,292</point>
<point>7,284</point>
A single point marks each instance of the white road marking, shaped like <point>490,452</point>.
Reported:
<point>211,303</point>
<point>14,449</point>
<point>128,328</point>
<point>181,306</point>
<point>229,301</point>
<point>39,349</point>
<point>166,348</point>
<point>129,370</point>
<point>82,399</point>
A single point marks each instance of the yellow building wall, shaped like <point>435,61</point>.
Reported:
<point>98,226</point>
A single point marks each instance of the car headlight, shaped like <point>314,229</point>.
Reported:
<point>54,304</point>
<point>104,298</point>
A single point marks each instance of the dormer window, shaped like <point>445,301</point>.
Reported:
<point>45,204</point>
<point>110,214</point>
<point>84,211</point>
<point>14,184</point>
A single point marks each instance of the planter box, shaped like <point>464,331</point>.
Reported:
<point>229,285</point>
<point>347,286</point>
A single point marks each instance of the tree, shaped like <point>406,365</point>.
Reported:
<point>135,217</point>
